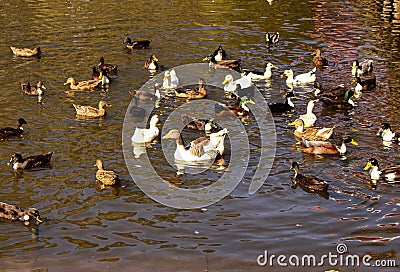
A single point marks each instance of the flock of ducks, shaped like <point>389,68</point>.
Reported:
<point>209,147</point>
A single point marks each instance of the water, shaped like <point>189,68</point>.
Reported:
<point>123,229</point>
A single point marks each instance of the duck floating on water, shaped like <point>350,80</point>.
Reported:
<point>29,89</point>
<point>280,107</point>
<point>326,148</point>
<point>359,69</point>
<point>106,177</point>
<point>206,125</point>
<point>219,54</point>
<point>387,134</point>
<point>340,104</point>
<point>25,52</point>
<point>198,93</point>
<point>319,60</point>
<point>255,75</point>
<point>231,64</point>
<point>147,135</point>
<point>151,63</point>
<point>18,162</point>
<point>145,96</point>
<point>271,38</point>
<point>309,182</point>
<point>305,78</point>
<point>109,68</point>
<point>89,111</point>
<point>313,133</point>
<point>14,213</point>
<point>309,118</point>
<point>170,80</point>
<point>10,131</point>
<point>87,85</point>
<point>389,174</point>
<point>140,44</point>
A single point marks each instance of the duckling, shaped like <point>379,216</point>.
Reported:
<point>136,44</point>
<point>365,85</point>
<point>341,104</point>
<point>146,135</point>
<point>282,107</point>
<point>144,96</point>
<point>89,111</point>
<point>170,80</point>
<point>200,93</point>
<point>151,63</point>
<point>106,177</point>
<point>231,64</point>
<point>390,174</point>
<point>136,110</point>
<point>206,125</point>
<point>18,162</point>
<point>37,90</point>
<point>12,212</point>
<point>309,118</point>
<point>318,60</point>
<point>313,133</point>
<point>305,78</point>
<point>387,134</point>
<point>25,52</point>
<point>310,182</point>
<point>255,75</point>
<point>271,38</point>
<point>241,110</point>
<point>109,68</point>
<point>219,54</point>
<point>323,147</point>
<point>10,131</point>
<point>362,68</point>
<point>230,85</point>
<point>87,85</point>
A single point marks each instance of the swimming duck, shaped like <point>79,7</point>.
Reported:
<point>231,64</point>
<point>10,131</point>
<point>323,147</point>
<point>144,96</point>
<point>318,60</point>
<point>255,75</point>
<point>219,54</point>
<point>170,80</point>
<point>109,68</point>
<point>87,85</point>
<point>200,93</point>
<point>271,38</point>
<point>37,90</point>
<point>12,212</point>
<point>365,85</point>
<point>310,182</point>
<point>136,110</point>
<point>105,177</point>
<point>89,111</point>
<point>206,125</point>
<point>305,78</point>
<point>240,110</point>
<point>340,104</point>
<point>201,149</point>
<point>136,44</point>
<point>362,68</point>
<point>309,118</point>
<point>282,107</point>
<point>313,133</point>
<point>335,92</point>
<point>18,162</point>
<point>230,85</point>
<point>151,63</point>
<point>146,135</point>
<point>25,52</point>
<point>96,73</point>
<point>390,174</point>
<point>387,134</point>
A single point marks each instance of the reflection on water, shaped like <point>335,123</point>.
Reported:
<point>89,226</point>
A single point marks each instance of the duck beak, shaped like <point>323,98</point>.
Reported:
<point>38,219</point>
<point>367,166</point>
<point>224,82</point>
<point>65,83</point>
<point>356,95</point>
<point>293,123</point>
<point>155,59</point>
<point>276,67</point>
<point>44,87</point>
<point>205,58</point>
<point>166,136</point>
<point>251,101</point>
<point>354,142</point>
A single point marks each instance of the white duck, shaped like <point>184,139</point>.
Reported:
<point>300,79</point>
<point>230,85</point>
<point>254,75</point>
<point>309,118</point>
<point>170,80</point>
<point>146,135</point>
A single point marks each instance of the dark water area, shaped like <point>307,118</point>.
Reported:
<point>91,229</point>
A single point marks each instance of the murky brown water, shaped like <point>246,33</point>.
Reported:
<point>124,230</point>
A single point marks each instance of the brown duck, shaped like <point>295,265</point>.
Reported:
<point>12,212</point>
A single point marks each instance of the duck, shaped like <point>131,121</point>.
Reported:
<point>25,52</point>
<point>233,64</point>
<point>387,134</point>
<point>18,162</point>
<point>362,68</point>
<point>255,75</point>
<point>109,68</point>
<point>146,135</point>
<point>309,118</point>
<point>340,104</point>
<point>106,177</point>
<point>29,89</point>
<point>96,73</point>
<point>313,133</point>
<point>144,96</point>
<point>319,60</point>
<point>170,80</point>
<point>137,111</point>
<point>151,63</point>
<point>219,54</point>
<point>327,148</point>
<point>310,182</point>
<point>136,44</point>
<point>240,110</point>
<point>201,149</point>
<point>333,92</point>
<point>271,38</point>
<point>230,84</point>
<point>87,85</point>
<point>89,111</point>
<point>280,107</point>
<point>10,131</point>
<point>200,93</point>
<point>15,213</point>
<point>206,125</point>
<point>305,78</point>
<point>390,174</point>
<point>366,85</point>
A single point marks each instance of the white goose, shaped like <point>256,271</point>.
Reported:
<point>170,80</point>
<point>146,135</point>
<point>305,78</point>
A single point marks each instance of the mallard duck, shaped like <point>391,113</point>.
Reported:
<point>25,52</point>
<point>151,63</point>
<point>309,118</point>
<point>231,64</point>
<point>334,92</point>
<point>313,133</point>
<point>219,54</point>
<point>255,75</point>
<point>365,85</point>
<point>143,96</point>
<point>12,212</point>
<point>271,38</point>
<point>170,80</point>
<point>282,107</point>
<point>206,125</point>
<point>387,134</point>
<point>37,90</point>
<point>136,110</point>
<point>87,85</point>
<point>323,147</point>
<point>239,110</point>
<point>341,104</point>
<point>202,149</point>
<point>96,73</point>
<point>136,44</point>
<point>305,78</point>
<point>362,68</point>
<point>310,182</point>
<point>390,174</point>
<point>109,68</point>
<point>200,93</point>
<point>105,177</point>
<point>146,135</point>
<point>319,60</point>
<point>18,162</point>
<point>10,131</point>
<point>89,111</point>
<point>230,84</point>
